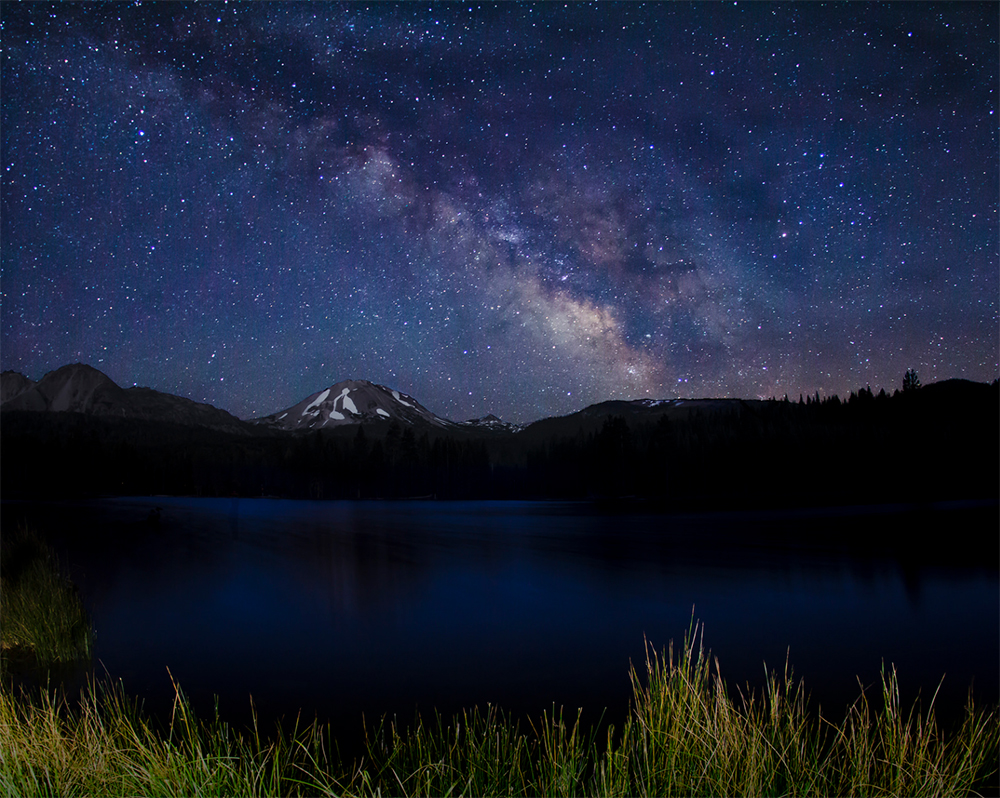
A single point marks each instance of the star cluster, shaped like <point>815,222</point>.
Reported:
<point>519,208</point>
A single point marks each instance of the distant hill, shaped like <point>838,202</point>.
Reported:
<point>638,411</point>
<point>13,384</point>
<point>76,431</point>
<point>79,388</point>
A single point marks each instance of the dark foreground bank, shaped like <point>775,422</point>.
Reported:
<point>685,735</point>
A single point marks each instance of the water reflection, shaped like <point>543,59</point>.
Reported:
<point>342,608</point>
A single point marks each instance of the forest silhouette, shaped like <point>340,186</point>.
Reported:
<point>931,443</point>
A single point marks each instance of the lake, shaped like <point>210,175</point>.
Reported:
<point>344,608</point>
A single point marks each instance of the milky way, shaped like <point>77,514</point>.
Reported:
<point>517,208</point>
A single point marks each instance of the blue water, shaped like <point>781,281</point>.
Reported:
<point>341,608</point>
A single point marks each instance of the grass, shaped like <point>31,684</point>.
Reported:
<point>43,620</point>
<point>686,735</point>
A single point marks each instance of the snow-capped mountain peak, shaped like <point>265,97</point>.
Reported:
<point>353,402</point>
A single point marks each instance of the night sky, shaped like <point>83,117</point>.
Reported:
<point>519,208</point>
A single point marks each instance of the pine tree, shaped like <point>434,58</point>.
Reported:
<point>910,381</point>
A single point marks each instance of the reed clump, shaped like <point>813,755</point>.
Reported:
<point>686,735</point>
<point>42,619</point>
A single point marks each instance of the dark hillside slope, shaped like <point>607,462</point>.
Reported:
<point>79,388</point>
<point>938,442</point>
<point>935,443</point>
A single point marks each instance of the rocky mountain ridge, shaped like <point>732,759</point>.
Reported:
<point>79,388</point>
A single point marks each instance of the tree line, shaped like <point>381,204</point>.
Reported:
<point>935,442</point>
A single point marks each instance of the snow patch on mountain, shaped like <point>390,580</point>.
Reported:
<point>658,402</point>
<point>492,423</point>
<point>398,398</point>
<point>310,408</point>
<point>347,403</point>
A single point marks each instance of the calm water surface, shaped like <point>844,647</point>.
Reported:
<point>341,608</point>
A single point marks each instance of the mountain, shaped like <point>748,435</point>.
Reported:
<point>637,411</point>
<point>75,432</point>
<point>354,402</point>
<point>79,388</point>
<point>489,423</point>
<point>364,402</point>
<point>75,388</point>
<point>13,383</point>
